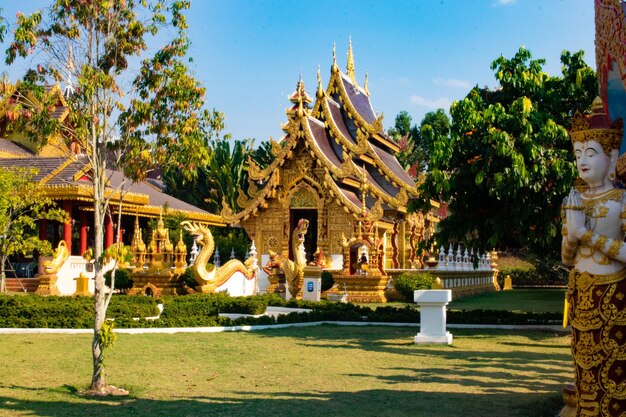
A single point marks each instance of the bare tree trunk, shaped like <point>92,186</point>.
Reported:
<point>3,280</point>
<point>98,382</point>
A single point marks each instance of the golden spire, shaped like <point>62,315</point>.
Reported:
<point>367,91</point>
<point>350,66</point>
<point>320,90</point>
<point>335,68</point>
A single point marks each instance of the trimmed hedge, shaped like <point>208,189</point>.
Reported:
<point>407,282</point>
<point>76,312</point>
<point>201,310</point>
<point>531,277</point>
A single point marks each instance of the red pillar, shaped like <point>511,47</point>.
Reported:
<point>43,229</point>
<point>108,231</point>
<point>67,227</point>
<point>83,232</point>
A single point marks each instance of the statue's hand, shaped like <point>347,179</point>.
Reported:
<point>575,216</point>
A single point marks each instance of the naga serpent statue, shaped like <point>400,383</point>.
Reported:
<point>294,270</point>
<point>210,280</point>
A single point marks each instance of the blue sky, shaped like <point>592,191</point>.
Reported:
<point>420,55</point>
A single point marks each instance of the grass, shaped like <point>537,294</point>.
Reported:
<point>526,300</point>
<point>532,300</point>
<point>313,371</point>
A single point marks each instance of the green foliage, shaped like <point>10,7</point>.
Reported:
<point>188,278</point>
<point>200,310</point>
<point>34,311</point>
<point>507,163</point>
<point>22,204</point>
<point>229,238</point>
<point>327,280</point>
<point>223,176</point>
<point>407,282</point>
<point>544,273</point>
<point>123,281</point>
<point>415,142</point>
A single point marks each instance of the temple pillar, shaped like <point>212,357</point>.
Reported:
<point>402,245</point>
<point>67,227</point>
<point>43,229</point>
<point>108,231</point>
<point>395,239</point>
<point>83,232</point>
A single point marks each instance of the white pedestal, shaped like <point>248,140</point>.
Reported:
<point>432,304</point>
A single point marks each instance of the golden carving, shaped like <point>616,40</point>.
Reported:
<point>610,38</point>
<point>210,280</point>
<point>60,256</point>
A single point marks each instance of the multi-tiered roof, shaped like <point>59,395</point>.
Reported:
<point>345,136</point>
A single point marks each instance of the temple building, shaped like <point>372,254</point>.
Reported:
<point>62,172</point>
<point>336,168</point>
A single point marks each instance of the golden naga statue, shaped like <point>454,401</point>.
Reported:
<point>209,280</point>
<point>60,255</point>
<point>294,270</point>
<point>594,225</point>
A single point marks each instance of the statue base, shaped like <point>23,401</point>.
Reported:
<point>368,288</point>
<point>47,285</point>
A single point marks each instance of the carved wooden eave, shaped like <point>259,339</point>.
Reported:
<point>30,100</point>
<point>610,39</point>
<point>257,202</point>
<point>257,174</point>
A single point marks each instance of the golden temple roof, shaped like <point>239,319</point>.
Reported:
<point>345,136</point>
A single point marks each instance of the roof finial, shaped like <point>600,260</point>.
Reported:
<point>69,87</point>
<point>367,91</point>
<point>320,90</point>
<point>350,66</point>
<point>335,68</point>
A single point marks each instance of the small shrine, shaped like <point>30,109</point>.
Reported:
<point>157,266</point>
<point>336,168</point>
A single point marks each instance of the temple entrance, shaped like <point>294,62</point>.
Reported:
<point>310,239</point>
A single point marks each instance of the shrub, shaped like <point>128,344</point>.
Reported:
<point>327,280</point>
<point>123,281</point>
<point>188,278</point>
<point>408,282</point>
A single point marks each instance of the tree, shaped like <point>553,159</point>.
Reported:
<point>22,204</point>
<point>507,163</point>
<point>435,126</point>
<point>135,120</point>
<point>414,141</point>
<point>222,178</point>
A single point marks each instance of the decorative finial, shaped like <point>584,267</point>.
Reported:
<point>320,90</point>
<point>350,66</point>
<point>335,68</point>
<point>300,109</point>
<point>367,91</point>
<point>69,90</point>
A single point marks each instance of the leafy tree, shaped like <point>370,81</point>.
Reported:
<point>22,203</point>
<point>507,163</point>
<point>138,119</point>
<point>414,141</point>
<point>402,134</point>
<point>435,126</point>
<point>219,179</point>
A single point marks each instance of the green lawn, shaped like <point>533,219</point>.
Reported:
<point>311,371</point>
<point>528,300</point>
<point>534,300</point>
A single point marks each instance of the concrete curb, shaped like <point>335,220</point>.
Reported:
<point>172,330</point>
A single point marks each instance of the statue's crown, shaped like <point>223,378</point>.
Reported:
<point>596,126</point>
